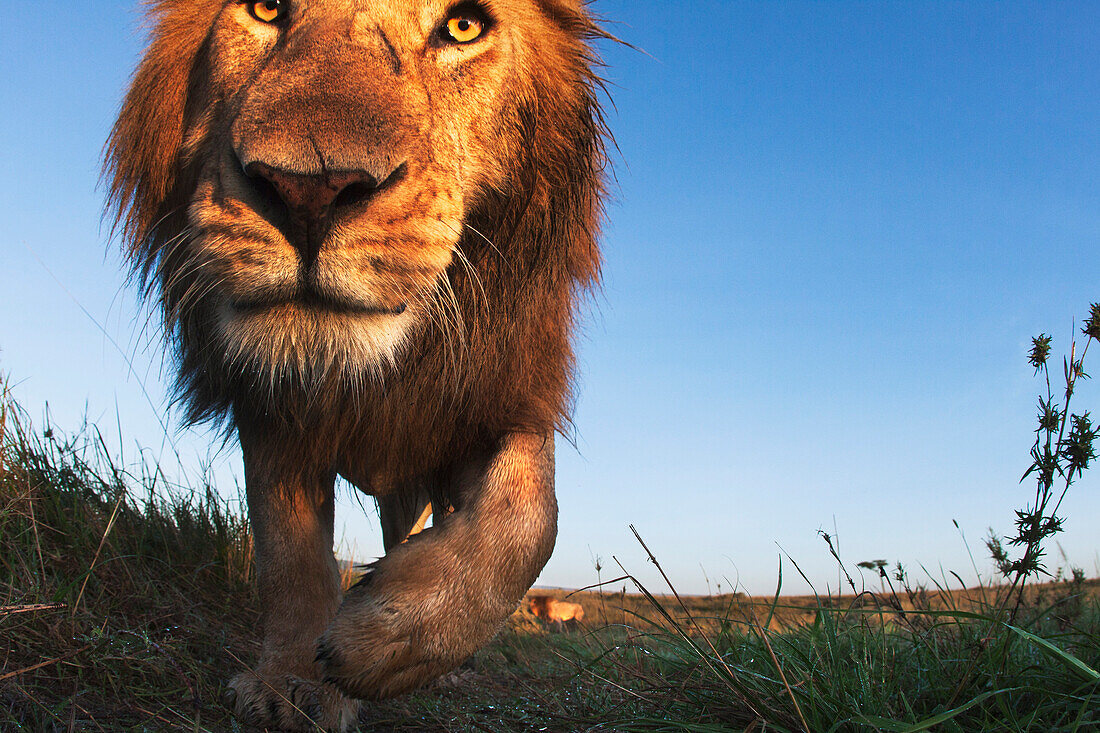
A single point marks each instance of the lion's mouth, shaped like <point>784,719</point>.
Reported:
<point>316,302</point>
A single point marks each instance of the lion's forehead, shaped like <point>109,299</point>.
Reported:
<point>409,21</point>
<point>371,68</point>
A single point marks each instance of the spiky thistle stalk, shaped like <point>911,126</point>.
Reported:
<point>1063,449</point>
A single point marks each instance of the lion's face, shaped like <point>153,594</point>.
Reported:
<point>325,191</point>
<point>344,144</point>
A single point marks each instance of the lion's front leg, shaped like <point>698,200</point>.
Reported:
<point>290,508</point>
<point>433,601</point>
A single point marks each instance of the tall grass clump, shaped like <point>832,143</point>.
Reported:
<point>1011,655</point>
<point>119,592</point>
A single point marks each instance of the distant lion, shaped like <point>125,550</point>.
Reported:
<point>368,223</point>
<point>554,611</point>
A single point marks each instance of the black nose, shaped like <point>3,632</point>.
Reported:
<point>310,200</point>
<point>312,197</point>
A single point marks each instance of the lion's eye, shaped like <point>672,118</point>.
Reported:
<point>269,11</point>
<point>464,26</point>
<point>463,29</point>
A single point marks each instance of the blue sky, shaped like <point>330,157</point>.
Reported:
<point>835,228</point>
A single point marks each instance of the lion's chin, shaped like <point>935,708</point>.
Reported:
<point>313,343</point>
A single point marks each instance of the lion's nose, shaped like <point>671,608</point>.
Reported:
<point>312,197</point>
<point>310,200</point>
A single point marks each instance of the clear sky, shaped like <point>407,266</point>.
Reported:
<point>835,228</point>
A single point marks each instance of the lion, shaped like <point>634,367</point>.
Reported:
<point>369,225</point>
<point>552,610</point>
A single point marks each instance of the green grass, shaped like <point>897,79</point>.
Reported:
<point>865,667</point>
<point>111,583</point>
<point>126,602</point>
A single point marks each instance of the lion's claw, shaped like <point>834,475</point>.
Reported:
<point>287,702</point>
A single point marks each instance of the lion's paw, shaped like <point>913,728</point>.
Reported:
<point>383,645</point>
<point>375,650</point>
<point>373,662</point>
<point>290,703</point>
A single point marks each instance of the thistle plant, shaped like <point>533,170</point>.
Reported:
<point>1062,451</point>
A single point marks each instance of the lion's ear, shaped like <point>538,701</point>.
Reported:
<point>554,7</point>
<point>142,160</point>
<point>572,16</point>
